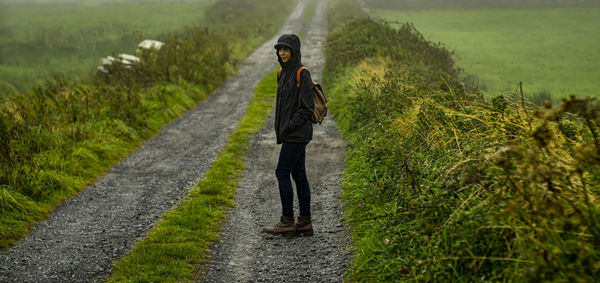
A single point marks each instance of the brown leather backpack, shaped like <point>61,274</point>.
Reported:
<point>318,94</point>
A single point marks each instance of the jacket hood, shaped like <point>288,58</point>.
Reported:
<point>293,42</point>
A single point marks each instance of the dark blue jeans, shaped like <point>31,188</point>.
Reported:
<point>292,162</point>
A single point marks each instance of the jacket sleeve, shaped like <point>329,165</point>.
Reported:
<point>307,104</point>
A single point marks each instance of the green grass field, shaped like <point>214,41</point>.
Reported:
<point>550,50</point>
<point>40,39</point>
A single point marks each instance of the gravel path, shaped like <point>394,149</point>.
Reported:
<point>244,253</point>
<point>85,235</point>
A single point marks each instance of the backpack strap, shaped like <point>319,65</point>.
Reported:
<point>298,75</point>
<point>298,83</point>
<point>297,80</point>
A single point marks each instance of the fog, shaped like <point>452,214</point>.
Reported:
<point>477,4</point>
<point>42,38</point>
<point>94,2</point>
<point>551,46</point>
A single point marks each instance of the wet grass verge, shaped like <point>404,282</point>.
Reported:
<point>444,185</point>
<point>60,137</point>
<point>179,244</point>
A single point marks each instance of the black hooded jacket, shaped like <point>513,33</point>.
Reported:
<point>293,113</point>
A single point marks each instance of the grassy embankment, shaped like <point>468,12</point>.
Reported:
<point>40,40</point>
<point>553,51</point>
<point>56,139</point>
<point>442,184</point>
<point>179,243</point>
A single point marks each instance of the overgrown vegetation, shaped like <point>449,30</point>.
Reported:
<point>442,184</point>
<point>179,243</point>
<point>58,138</point>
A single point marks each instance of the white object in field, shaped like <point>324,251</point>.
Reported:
<point>125,59</point>
<point>150,44</point>
<point>107,60</point>
<point>129,60</point>
<point>101,70</point>
<point>104,62</point>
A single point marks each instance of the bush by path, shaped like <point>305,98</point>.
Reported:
<point>58,138</point>
<point>444,185</point>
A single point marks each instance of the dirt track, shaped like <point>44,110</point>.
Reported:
<point>244,254</point>
<point>89,232</point>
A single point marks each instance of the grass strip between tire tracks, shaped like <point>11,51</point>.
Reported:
<point>179,243</point>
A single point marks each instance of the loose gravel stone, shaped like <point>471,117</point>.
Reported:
<point>244,253</point>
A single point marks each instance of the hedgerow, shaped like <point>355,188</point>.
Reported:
<point>57,138</point>
<point>444,185</point>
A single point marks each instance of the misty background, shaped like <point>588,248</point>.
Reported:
<point>551,45</point>
<point>477,4</point>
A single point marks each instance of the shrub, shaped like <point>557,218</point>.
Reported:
<point>59,137</point>
<point>442,184</point>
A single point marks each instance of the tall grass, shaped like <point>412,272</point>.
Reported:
<point>444,185</point>
<point>58,138</point>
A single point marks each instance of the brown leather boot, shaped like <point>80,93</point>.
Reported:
<point>304,226</point>
<point>284,227</point>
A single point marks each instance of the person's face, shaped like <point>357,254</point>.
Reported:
<point>285,54</point>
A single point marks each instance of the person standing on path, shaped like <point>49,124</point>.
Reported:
<point>293,129</point>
